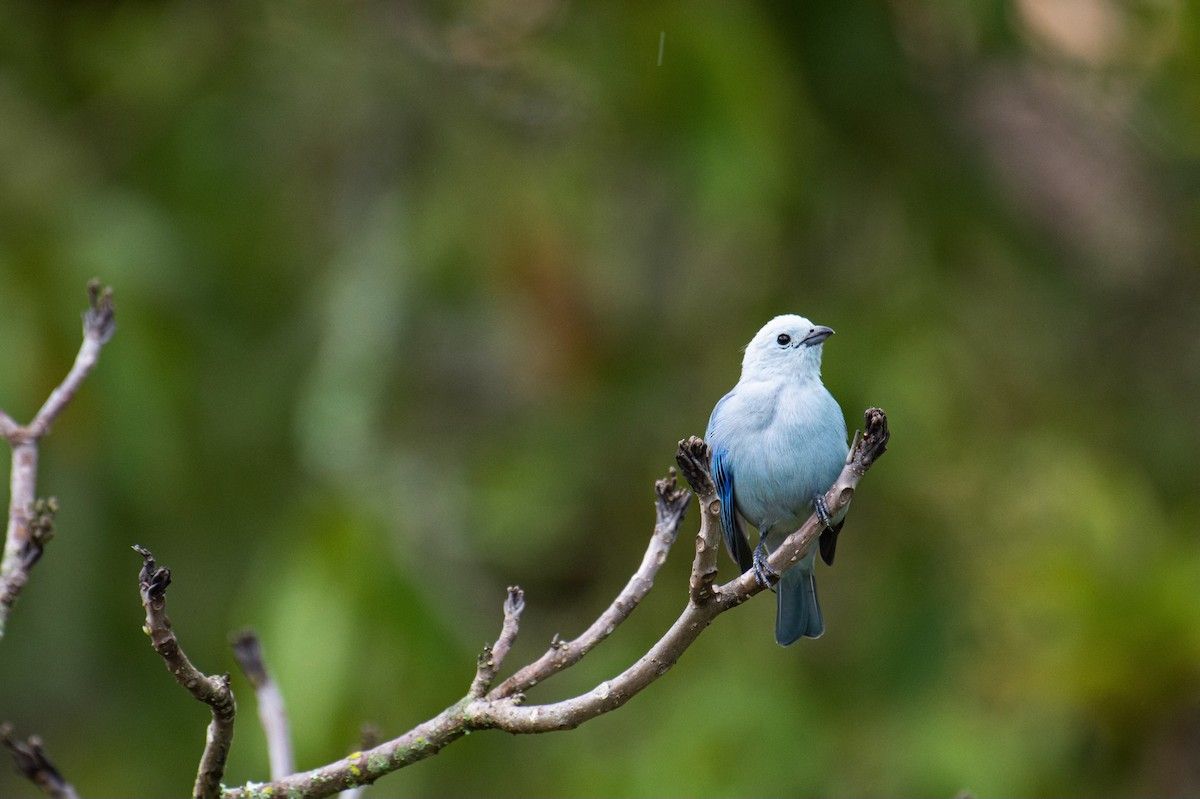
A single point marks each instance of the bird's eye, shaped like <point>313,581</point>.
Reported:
<point>783,340</point>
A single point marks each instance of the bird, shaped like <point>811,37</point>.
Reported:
<point>777,443</point>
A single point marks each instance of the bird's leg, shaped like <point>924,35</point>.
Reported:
<point>822,509</point>
<point>764,575</point>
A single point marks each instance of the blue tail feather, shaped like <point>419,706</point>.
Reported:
<point>799,613</point>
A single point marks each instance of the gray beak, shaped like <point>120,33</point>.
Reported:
<point>819,333</point>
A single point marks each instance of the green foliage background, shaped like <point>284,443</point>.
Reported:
<point>416,299</point>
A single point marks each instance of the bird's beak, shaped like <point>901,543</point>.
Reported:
<point>818,334</point>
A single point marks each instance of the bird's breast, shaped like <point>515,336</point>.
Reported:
<point>779,467</point>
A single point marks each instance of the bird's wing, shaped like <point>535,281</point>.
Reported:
<point>735,538</point>
<point>722,472</point>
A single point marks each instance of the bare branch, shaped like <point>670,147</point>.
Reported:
<point>16,563</point>
<point>514,604</point>
<point>492,657</point>
<point>212,691</point>
<point>35,765</point>
<point>693,457</point>
<point>503,709</point>
<point>369,739</point>
<point>99,324</point>
<point>363,768</point>
<point>22,547</point>
<point>271,710</point>
<point>671,505</point>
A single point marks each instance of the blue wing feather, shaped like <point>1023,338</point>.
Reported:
<point>722,472</point>
<point>735,537</point>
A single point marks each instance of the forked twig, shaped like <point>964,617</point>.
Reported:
<point>503,707</point>
<point>212,691</point>
<point>28,532</point>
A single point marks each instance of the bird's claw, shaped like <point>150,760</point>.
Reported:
<point>822,510</point>
<point>764,574</point>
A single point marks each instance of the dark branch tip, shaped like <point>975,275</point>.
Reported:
<point>99,320</point>
<point>669,491</point>
<point>152,580</point>
<point>247,650</point>
<point>692,457</point>
<point>874,441</point>
<point>29,756</point>
<point>671,501</point>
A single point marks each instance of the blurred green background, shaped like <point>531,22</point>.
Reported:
<point>415,301</point>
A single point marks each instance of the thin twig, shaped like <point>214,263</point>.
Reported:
<point>22,547</point>
<point>671,504</point>
<point>99,324</point>
<point>272,713</point>
<point>503,709</point>
<point>492,657</point>
<point>212,691</point>
<point>35,765</point>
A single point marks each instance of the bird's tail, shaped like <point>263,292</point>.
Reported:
<point>799,614</point>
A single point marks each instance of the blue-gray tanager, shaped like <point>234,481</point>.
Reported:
<point>778,442</point>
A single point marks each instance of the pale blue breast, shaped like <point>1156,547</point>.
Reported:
<point>793,452</point>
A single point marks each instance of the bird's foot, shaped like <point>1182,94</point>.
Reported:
<point>822,510</point>
<point>764,575</point>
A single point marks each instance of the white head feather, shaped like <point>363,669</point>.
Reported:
<point>787,346</point>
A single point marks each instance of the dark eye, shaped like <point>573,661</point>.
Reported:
<point>783,340</point>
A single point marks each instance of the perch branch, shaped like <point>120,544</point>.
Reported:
<point>32,762</point>
<point>212,691</point>
<point>503,708</point>
<point>22,543</point>
<point>692,457</point>
<point>272,713</point>
<point>696,616</point>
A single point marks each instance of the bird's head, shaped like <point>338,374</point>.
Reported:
<point>787,345</point>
